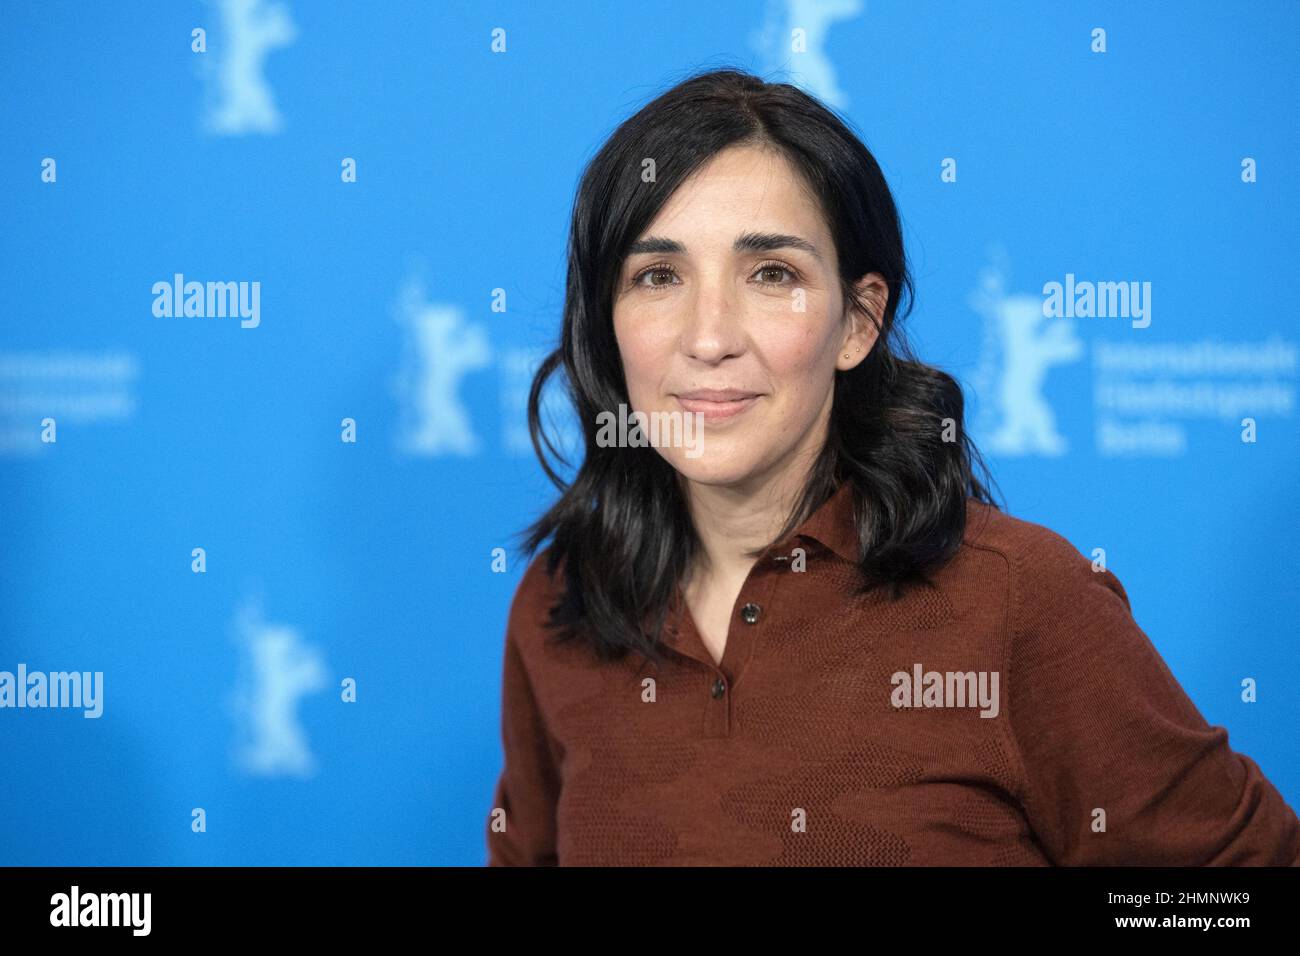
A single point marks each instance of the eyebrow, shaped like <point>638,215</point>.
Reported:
<point>746,242</point>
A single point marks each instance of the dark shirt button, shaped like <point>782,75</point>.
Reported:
<point>750,613</point>
<point>719,688</point>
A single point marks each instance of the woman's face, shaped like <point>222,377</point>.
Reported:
<point>734,286</point>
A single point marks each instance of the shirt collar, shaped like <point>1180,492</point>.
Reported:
<point>833,525</point>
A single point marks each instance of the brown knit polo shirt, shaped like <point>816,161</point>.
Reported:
<point>1015,715</point>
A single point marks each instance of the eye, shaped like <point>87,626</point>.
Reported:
<point>768,267</point>
<point>660,269</point>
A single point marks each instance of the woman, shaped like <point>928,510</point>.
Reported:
<point>811,637</point>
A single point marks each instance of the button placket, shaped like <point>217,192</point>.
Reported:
<point>753,614</point>
<point>717,709</point>
<point>754,610</point>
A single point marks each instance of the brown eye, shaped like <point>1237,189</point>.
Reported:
<point>653,271</point>
<point>769,268</point>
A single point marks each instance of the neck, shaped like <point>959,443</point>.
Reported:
<point>732,520</point>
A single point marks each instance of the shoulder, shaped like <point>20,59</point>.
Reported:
<point>537,592</point>
<point>1015,538</point>
<point>1045,569</point>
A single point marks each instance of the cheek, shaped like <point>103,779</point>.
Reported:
<point>801,363</point>
<point>644,357</point>
<point>797,353</point>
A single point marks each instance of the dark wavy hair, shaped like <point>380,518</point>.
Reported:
<point>621,529</point>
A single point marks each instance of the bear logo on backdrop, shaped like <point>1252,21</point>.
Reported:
<point>241,97</point>
<point>1030,345</point>
<point>440,348</point>
<point>277,670</point>
<point>792,39</point>
<point>1146,387</point>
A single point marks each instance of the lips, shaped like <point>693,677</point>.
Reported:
<point>717,404</point>
<point>717,394</point>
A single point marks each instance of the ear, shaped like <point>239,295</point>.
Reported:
<point>862,330</point>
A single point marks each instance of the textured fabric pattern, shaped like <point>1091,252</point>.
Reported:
<point>802,758</point>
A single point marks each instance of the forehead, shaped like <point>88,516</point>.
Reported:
<point>742,188</point>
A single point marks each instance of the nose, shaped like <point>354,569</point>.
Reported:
<point>712,329</point>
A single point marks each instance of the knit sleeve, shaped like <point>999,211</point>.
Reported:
<point>521,827</point>
<point>1120,766</point>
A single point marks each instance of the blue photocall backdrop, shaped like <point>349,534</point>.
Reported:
<point>387,186</point>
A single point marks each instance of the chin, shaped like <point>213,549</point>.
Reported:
<point>714,467</point>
